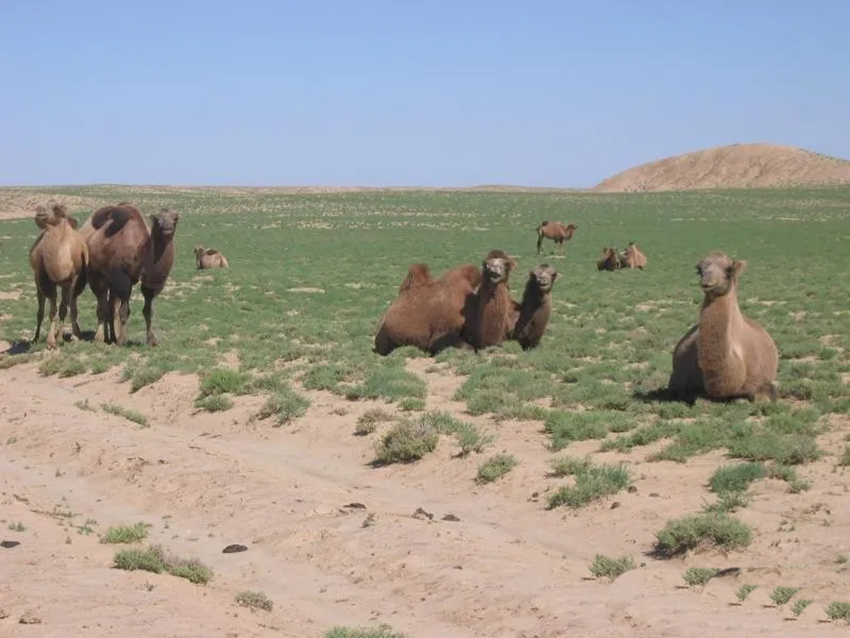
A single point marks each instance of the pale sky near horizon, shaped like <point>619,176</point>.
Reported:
<point>403,93</point>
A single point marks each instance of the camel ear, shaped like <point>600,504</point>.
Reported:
<point>511,263</point>
<point>41,221</point>
<point>555,275</point>
<point>72,222</point>
<point>738,266</point>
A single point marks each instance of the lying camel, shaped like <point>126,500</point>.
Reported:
<point>124,251</point>
<point>490,312</point>
<point>632,257</point>
<point>556,231</point>
<point>59,257</point>
<point>726,355</point>
<point>209,258</point>
<point>428,314</point>
<point>610,259</point>
<point>536,307</point>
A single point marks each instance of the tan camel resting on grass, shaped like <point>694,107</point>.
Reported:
<point>209,258</point>
<point>59,259</point>
<point>632,257</point>
<point>726,355</point>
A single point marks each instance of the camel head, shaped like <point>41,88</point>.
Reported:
<point>497,266</point>
<point>199,251</point>
<point>165,221</point>
<point>45,218</point>
<point>545,276</point>
<point>718,274</point>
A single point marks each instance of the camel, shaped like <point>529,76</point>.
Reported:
<point>59,257</point>
<point>490,312</point>
<point>726,355</point>
<point>610,259</point>
<point>417,274</point>
<point>556,231</point>
<point>536,307</point>
<point>428,313</point>
<point>123,252</point>
<point>632,257</point>
<point>209,258</point>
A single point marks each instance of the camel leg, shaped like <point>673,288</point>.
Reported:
<point>147,311</point>
<point>63,312</point>
<point>51,331</point>
<point>539,244</point>
<point>765,392</point>
<point>120,310</point>
<point>76,333</point>
<point>39,315</point>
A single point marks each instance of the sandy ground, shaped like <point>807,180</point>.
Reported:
<point>506,568</point>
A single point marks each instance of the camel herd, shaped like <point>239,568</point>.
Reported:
<point>725,355</point>
<point>113,251</point>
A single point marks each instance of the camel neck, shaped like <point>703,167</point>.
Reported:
<point>718,318</point>
<point>158,245</point>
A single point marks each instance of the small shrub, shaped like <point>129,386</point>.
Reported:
<point>744,591</point>
<point>606,567</point>
<point>736,478</point>
<point>149,560</point>
<point>368,421</point>
<point>191,569</point>
<point>699,575</point>
<point>782,595</point>
<point>727,502</point>
<point>682,534</point>
<point>286,405</point>
<point>471,439</point>
<point>125,534</point>
<point>411,404</point>
<point>569,465</point>
<point>405,442</point>
<point>844,461</point>
<point>384,631</point>
<point>224,381</point>
<point>214,403</point>
<point>254,600</point>
<point>84,405</point>
<point>17,527</point>
<point>496,467</point>
<point>592,483</point>
<point>800,605</point>
<point>130,415</point>
<point>838,611</point>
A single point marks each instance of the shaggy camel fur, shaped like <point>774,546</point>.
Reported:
<point>556,231</point>
<point>632,257</point>
<point>123,252</point>
<point>59,258</point>
<point>490,312</point>
<point>417,274</point>
<point>610,259</point>
<point>209,258</point>
<point>726,355</point>
<point>428,314</point>
<point>536,306</point>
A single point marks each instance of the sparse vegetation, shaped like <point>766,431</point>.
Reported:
<point>384,631</point>
<point>744,591</point>
<point>611,568</point>
<point>799,605</point>
<point>153,559</point>
<point>368,422</point>
<point>126,534</point>
<point>689,532</point>
<point>591,483</point>
<point>17,527</point>
<point>285,405</point>
<point>254,600</point>
<point>405,442</point>
<point>130,415</point>
<point>496,467</point>
<point>781,595</point>
<point>699,575</point>
<point>838,610</point>
<point>736,478</point>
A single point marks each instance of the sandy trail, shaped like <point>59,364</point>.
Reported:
<point>507,568</point>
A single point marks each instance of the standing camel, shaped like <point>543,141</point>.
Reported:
<point>556,231</point>
<point>123,252</point>
<point>726,355</point>
<point>59,257</point>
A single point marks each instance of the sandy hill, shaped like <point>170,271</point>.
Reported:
<point>735,166</point>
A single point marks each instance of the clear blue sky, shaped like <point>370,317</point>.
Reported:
<point>416,92</point>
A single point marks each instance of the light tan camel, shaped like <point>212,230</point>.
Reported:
<point>556,231</point>
<point>209,258</point>
<point>726,355</point>
<point>632,257</point>
<point>59,258</point>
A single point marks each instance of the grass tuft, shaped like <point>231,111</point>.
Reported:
<point>153,559</point>
<point>384,631</point>
<point>611,568</point>
<point>744,591</point>
<point>591,483</point>
<point>125,534</point>
<point>699,575</point>
<point>405,442</point>
<point>254,600</point>
<point>496,467</point>
<point>781,595</point>
<point>686,533</point>
<point>130,415</point>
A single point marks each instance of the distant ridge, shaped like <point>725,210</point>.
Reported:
<point>734,166</point>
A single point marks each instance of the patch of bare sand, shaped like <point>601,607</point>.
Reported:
<point>508,567</point>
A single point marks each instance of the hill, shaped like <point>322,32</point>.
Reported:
<point>735,166</point>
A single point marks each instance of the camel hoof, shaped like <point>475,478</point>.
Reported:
<point>51,345</point>
<point>152,341</point>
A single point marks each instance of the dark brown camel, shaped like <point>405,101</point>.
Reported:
<point>610,259</point>
<point>556,231</point>
<point>59,258</point>
<point>536,306</point>
<point>124,251</point>
<point>490,312</point>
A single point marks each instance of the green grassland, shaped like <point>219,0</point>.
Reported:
<point>311,274</point>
